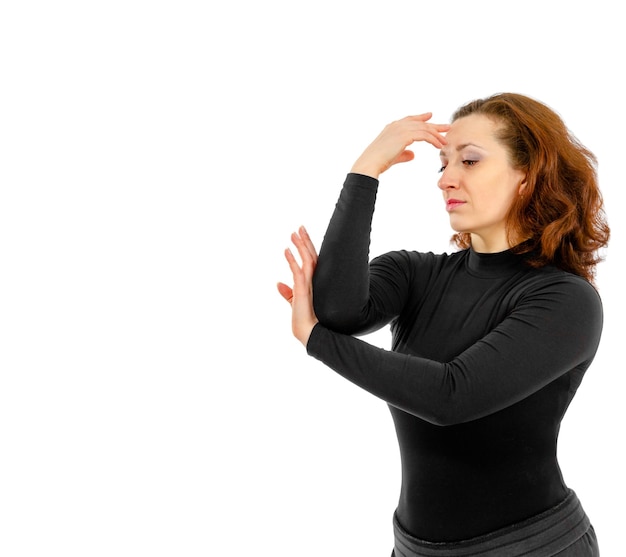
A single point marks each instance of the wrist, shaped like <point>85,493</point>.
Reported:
<point>365,170</point>
<point>304,334</point>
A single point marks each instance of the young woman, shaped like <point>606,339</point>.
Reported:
<point>490,342</point>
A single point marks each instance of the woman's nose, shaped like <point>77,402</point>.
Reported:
<point>447,180</point>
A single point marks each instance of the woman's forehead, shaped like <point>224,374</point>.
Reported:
<point>476,130</point>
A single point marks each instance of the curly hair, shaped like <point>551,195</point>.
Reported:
<point>560,213</point>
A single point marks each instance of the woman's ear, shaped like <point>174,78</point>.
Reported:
<point>522,187</point>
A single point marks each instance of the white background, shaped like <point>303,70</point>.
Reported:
<point>154,158</point>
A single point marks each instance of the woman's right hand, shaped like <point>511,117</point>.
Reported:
<point>300,297</point>
<point>390,147</point>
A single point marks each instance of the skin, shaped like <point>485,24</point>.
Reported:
<point>300,297</point>
<point>477,172</point>
<point>479,176</point>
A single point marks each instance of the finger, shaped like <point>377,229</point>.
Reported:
<point>422,131</point>
<point>405,156</point>
<point>285,291</point>
<point>434,138</point>
<point>308,264</point>
<point>437,141</point>
<point>296,271</point>
<point>437,130</point>
<point>422,117</point>
<point>308,243</point>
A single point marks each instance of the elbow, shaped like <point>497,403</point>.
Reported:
<point>441,412</point>
<point>443,415</point>
<point>335,307</point>
<point>445,419</point>
<point>339,319</point>
<point>452,413</point>
<point>326,311</point>
<point>452,404</point>
<point>455,403</point>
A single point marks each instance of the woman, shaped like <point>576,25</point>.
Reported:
<point>490,342</point>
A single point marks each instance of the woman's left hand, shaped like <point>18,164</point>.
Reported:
<point>300,297</point>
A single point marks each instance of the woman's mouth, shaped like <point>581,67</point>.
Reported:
<point>452,204</point>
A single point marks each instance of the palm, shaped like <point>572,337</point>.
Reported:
<point>300,296</point>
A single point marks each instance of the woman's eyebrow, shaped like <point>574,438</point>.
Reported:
<point>442,153</point>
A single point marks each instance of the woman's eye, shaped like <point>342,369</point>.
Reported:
<point>469,162</point>
<point>442,168</point>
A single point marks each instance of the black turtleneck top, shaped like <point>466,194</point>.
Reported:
<point>487,354</point>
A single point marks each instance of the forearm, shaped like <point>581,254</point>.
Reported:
<point>341,280</point>
<point>404,382</point>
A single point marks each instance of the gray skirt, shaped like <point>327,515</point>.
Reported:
<point>563,530</point>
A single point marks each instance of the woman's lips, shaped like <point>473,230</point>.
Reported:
<point>452,204</point>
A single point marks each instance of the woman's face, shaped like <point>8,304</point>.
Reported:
<point>478,182</point>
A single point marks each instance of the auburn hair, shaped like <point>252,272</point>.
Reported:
<point>559,214</point>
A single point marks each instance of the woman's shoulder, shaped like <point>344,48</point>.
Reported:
<point>416,266</point>
<point>552,275</point>
<point>422,257</point>
<point>551,283</point>
<point>422,261</point>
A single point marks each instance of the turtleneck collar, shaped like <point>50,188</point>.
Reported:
<point>493,264</point>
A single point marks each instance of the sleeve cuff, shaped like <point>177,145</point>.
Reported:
<point>361,180</point>
<point>313,344</point>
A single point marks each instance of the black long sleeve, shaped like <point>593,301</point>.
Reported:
<point>556,329</point>
<point>342,274</point>
<point>483,345</point>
